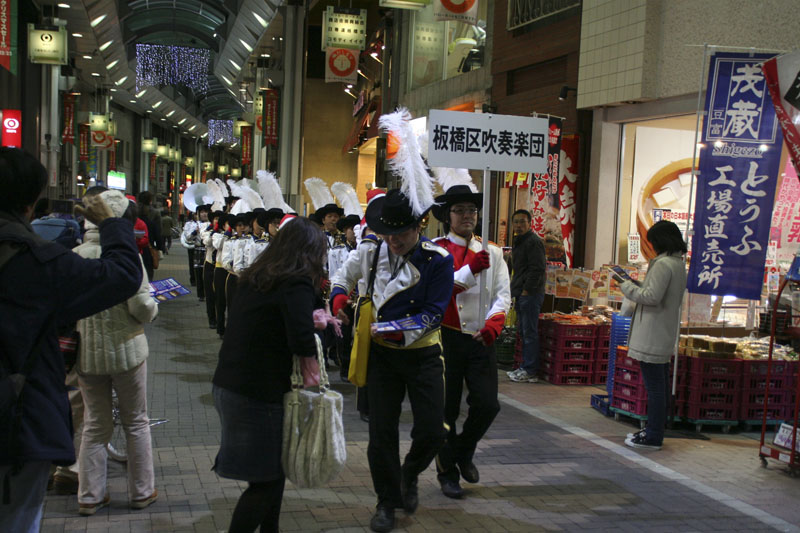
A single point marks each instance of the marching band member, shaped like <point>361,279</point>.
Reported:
<point>206,237</point>
<point>468,334</point>
<point>413,283</point>
<point>218,240</point>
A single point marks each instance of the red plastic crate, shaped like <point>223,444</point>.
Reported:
<point>712,382</point>
<point>601,366</point>
<point>599,378</point>
<point>570,343</point>
<point>711,412</point>
<point>777,383</point>
<point>567,367</point>
<point>630,391</point>
<point>636,407</point>
<point>715,367</point>
<point>569,378</point>
<point>713,397</point>
<point>625,361</point>
<point>603,331</point>
<point>774,412</point>
<point>601,354</point>
<point>759,368</point>
<point>631,377</point>
<point>568,354</point>
<point>755,398</point>
<point>555,329</point>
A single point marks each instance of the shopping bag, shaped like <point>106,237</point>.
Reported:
<point>362,338</point>
<point>314,448</point>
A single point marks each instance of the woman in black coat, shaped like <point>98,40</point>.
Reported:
<point>270,321</point>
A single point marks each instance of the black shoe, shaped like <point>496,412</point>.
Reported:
<point>193,283</point>
<point>212,324</point>
<point>409,493</point>
<point>201,298</point>
<point>451,489</point>
<point>382,520</point>
<point>469,472</point>
<point>365,417</point>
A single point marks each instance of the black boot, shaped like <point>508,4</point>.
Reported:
<point>409,492</point>
<point>469,472</point>
<point>383,519</point>
<point>451,488</point>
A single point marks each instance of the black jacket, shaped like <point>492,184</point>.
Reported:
<point>263,331</point>
<point>528,260</point>
<point>44,287</point>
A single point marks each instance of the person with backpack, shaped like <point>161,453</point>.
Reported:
<point>44,286</point>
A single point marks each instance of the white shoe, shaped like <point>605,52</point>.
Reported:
<point>512,372</point>
<point>524,377</point>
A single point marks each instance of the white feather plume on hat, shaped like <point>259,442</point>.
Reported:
<point>271,191</point>
<point>348,198</point>
<point>417,184</point>
<point>222,187</point>
<point>446,177</point>
<point>239,207</point>
<point>244,192</point>
<point>319,193</point>
<point>214,191</point>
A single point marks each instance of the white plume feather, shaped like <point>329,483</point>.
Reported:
<point>222,187</point>
<point>271,191</point>
<point>319,193</point>
<point>250,196</point>
<point>348,198</point>
<point>218,202</point>
<point>446,177</point>
<point>239,207</point>
<point>417,184</point>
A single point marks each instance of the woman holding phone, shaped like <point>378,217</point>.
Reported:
<point>654,325</point>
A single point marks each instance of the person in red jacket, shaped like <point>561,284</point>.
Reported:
<point>468,335</point>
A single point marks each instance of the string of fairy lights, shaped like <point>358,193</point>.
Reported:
<point>220,131</point>
<point>158,65</point>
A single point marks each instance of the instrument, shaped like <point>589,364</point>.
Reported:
<point>196,194</point>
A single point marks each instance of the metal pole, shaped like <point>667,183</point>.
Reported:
<point>485,242</point>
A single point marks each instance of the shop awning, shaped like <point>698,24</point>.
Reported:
<point>365,125</point>
<point>359,123</point>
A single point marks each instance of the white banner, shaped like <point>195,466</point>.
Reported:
<point>461,10</point>
<point>341,65</point>
<point>483,141</point>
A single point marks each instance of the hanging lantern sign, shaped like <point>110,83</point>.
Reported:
<point>344,28</point>
<point>237,127</point>
<point>177,155</point>
<point>47,47</point>
<point>208,166</point>
<point>149,146</point>
<point>188,161</point>
<point>222,169</point>
<point>162,150</point>
<point>102,140</point>
<point>236,172</point>
<point>98,122</point>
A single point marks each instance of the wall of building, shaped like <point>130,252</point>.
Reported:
<point>327,119</point>
<point>638,50</point>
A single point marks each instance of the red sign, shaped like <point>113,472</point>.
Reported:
<point>83,142</point>
<point>568,188</point>
<point>153,158</point>
<point>247,144</point>
<point>68,135</point>
<point>458,7</point>
<point>268,124</point>
<point>112,157</point>
<point>342,62</point>
<point>12,127</point>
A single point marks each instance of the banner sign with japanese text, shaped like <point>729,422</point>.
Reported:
<point>267,123</point>
<point>8,35</point>
<point>83,142</point>
<point>567,193</point>
<point>153,158</point>
<point>783,81</point>
<point>465,11</point>
<point>68,134</point>
<point>738,174</point>
<point>482,140</point>
<point>112,157</point>
<point>247,144</point>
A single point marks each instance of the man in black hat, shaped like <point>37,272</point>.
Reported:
<point>468,334</point>
<point>191,239</point>
<point>413,282</point>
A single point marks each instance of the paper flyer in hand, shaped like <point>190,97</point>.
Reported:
<point>402,324</point>
<point>167,289</point>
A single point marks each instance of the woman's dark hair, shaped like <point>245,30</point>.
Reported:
<point>22,179</point>
<point>41,208</point>
<point>297,251</point>
<point>666,237</point>
<point>132,212</point>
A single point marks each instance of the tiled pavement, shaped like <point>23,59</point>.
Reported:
<point>549,463</point>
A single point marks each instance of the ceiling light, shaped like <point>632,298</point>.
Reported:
<point>215,35</point>
<point>181,121</point>
<point>87,57</point>
<point>260,19</point>
<point>157,104</point>
<point>264,55</point>
<point>112,64</point>
<point>105,45</point>
<point>97,21</point>
<point>121,80</point>
<point>62,4</point>
<point>237,67</point>
<point>349,85</point>
<point>351,94</point>
<point>203,136</point>
<point>141,93</point>
<point>249,101</point>
<point>96,74</point>
<point>133,101</point>
<point>229,82</point>
<point>76,34</point>
<point>193,127</point>
<point>246,46</point>
<point>163,120</point>
<point>171,113</point>
<point>280,38</point>
<point>113,90</point>
<point>149,111</point>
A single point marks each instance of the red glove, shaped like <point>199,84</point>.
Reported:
<point>339,301</point>
<point>324,284</point>
<point>493,328</point>
<point>479,262</point>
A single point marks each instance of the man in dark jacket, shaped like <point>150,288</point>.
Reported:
<point>527,287</point>
<point>45,286</point>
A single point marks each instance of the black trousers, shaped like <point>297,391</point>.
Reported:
<point>230,288</point>
<point>211,302</point>
<point>467,361</point>
<point>198,276</point>
<point>344,344</point>
<point>391,372</point>
<point>192,274</point>
<point>220,278</point>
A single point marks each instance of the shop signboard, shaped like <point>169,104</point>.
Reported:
<point>341,65</point>
<point>785,230</point>
<point>47,47</point>
<point>567,193</point>
<point>460,10</point>
<point>112,157</point>
<point>117,180</point>
<point>344,28</point>
<point>738,174</point>
<point>153,159</point>
<point>91,163</point>
<point>8,35</point>
<point>247,144</point>
<point>486,141</point>
<point>83,142</point>
<point>783,81</point>
<point>267,122</point>
<point>68,134</point>
<point>102,140</point>
<point>12,128</point>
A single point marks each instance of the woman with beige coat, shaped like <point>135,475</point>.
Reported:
<point>113,352</point>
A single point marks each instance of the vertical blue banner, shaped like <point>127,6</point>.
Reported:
<point>738,173</point>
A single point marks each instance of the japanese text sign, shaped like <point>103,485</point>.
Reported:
<point>8,35</point>
<point>486,141</point>
<point>739,165</point>
<point>341,65</point>
<point>344,28</point>
<point>783,81</point>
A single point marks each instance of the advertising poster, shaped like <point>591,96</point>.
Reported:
<point>599,286</point>
<point>68,135</point>
<point>460,10</point>
<point>247,145</point>
<point>785,230</point>
<point>83,142</point>
<point>341,65</point>
<point>738,167</point>
<point>783,81</point>
<point>163,290</point>
<point>8,35</point>
<point>563,282</point>
<point>567,193</point>
<point>579,284</point>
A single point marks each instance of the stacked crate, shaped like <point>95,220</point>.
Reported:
<point>567,353</point>
<point>602,350</point>
<point>780,398</point>
<point>620,328</point>
<point>628,393</point>
<point>713,389</point>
